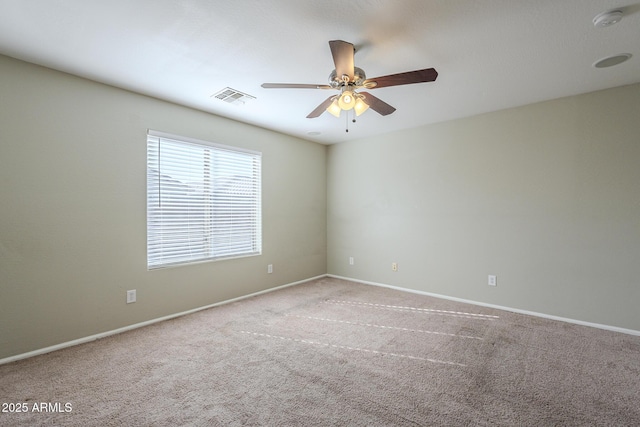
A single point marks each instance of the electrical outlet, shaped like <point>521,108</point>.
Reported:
<point>394,266</point>
<point>351,260</point>
<point>131,296</point>
<point>270,268</point>
<point>492,280</point>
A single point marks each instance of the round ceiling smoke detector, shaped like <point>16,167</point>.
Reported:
<point>607,19</point>
<point>610,61</point>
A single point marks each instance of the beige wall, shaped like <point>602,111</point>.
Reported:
<point>73,210</point>
<point>546,197</point>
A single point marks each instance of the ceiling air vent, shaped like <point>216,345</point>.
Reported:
<point>233,96</point>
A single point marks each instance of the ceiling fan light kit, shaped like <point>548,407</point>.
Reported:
<point>348,78</point>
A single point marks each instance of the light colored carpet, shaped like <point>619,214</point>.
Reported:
<point>331,352</point>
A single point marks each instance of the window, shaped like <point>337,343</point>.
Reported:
<point>203,201</point>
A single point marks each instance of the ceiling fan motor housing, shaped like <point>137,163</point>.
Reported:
<point>336,81</point>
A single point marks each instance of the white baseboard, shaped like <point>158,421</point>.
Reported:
<point>184,313</point>
<point>513,310</point>
<point>141,324</point>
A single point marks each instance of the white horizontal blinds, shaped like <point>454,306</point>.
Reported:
<point>203,202</point>
<point>235,197</point>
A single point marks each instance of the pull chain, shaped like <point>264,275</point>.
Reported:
<point>347,120</point>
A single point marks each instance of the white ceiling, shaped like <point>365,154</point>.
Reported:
<point>490,54</point>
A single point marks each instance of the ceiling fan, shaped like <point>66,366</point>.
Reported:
<point>348,78</point>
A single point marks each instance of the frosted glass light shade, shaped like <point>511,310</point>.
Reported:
<point>360,106</point>
<point>334,108</point>
<point>347,101</point>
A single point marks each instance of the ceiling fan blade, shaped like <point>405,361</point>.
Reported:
<point>294,86</point>
<point>342,57</point>
<point>418,76</point>
<point>377,104</point>
<point>321,108</point>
